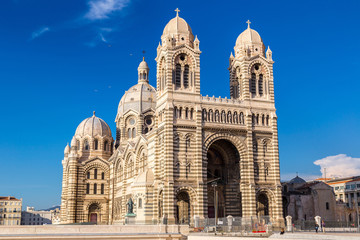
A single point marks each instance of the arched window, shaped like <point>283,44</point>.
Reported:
<point>186,76</point>
<point>133,132</point>
<point>261,85</point>
<point>211,115</point>
<point>229,117</point>
<point>223,116</point>
<point>191,113</point>
<point>86,145</point>
<point>175,112</point>
<point>87,188</point>
<point>95,173</point>
<point>217,116</point>
<point>204,115</point>
<point>236,119</point>
<point>88,175</point>
<point>95,188</point>
<point>263,120</point>
<point>106,146</point>
<point>129,133</point>
<point>267,120</point>
<point>96,143</point>
<point>140,203</point>
<point>102,176</point>
<point>102,188</point>
<point>253,84</point>
<point>180,112</point>
<point>178,75</point>
<point>187,113</point>
<point>242,118</point>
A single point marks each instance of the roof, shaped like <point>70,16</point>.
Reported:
<point>93,126</point>
<point>343,180</point>
<point>9,198</point>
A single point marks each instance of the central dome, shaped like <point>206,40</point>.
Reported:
<point>93,126</point>
<point>139,98</point>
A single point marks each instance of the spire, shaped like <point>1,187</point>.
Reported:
<point>231,55</point>
<point>248,22</point>
<point>269,54</point>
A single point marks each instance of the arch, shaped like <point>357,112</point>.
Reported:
<point>217,116</point>
<point>223,116</point>
<point>265,202</point>
<point>241,116</point>
<point>223,168</point>
<point>94,212</point>
<point>96,144</point>
<point>133,132</point>
<point>240,146</point>
<point>183,208</point>
<point>86,145</point>
<point>178,75</point>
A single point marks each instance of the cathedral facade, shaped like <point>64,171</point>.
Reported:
<point>178,154</point>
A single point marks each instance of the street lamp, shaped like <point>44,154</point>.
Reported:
<point>214,185</point>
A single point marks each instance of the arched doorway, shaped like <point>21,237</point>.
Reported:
<point>223,178</point>
<point>262,205</point>
<point>182,208</point>
<point>94,213</point>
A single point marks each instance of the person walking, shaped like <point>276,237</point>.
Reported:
<point>323,226</point>
<point>316,227</point>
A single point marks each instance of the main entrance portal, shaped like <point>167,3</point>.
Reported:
<point>223,178</point>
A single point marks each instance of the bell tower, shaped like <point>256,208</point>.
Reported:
<point>250,69</point>
<point>178,59</point>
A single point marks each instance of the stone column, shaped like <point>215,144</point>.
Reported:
<point>289,223</point>
<point>230,222</point>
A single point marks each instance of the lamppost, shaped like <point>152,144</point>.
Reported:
<point>214,185</point>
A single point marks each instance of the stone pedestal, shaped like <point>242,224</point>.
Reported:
<point>318,221</point>
<point>130,219</point>
<point>289,224</point>
<point>196,221</point>
<point>230,222</point>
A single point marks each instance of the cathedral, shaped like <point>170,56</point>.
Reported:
<point>178,154</point>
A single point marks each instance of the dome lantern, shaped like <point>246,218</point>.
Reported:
<point>143,72</point>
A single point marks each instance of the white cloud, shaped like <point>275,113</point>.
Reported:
<point>339,166</point>
<point>101,9</point>
<point>39,32</point>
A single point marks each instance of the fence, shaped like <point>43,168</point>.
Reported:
<point>309,225</point>
<point>243,225</point>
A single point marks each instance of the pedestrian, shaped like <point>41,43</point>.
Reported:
<point>316,227</point>
<point>323,226</point>
<point>282,231</point>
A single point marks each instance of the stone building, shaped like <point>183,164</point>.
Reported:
<point>172,143</point>
<point>38,217</point>
<point>10,210</point>
<point>347,192</point>
<point>304,200</point>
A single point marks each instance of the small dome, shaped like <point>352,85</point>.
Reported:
<point>143,65</point>
<point>297,180</point>
<point>178,26</point>
<point>93,126</point>
<point>139,98</point>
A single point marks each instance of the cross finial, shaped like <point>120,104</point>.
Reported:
<point>143,52</point>
<point>177,12</point>
<point>94,113</point>
<point>297,174</point>
<point>248,22</point>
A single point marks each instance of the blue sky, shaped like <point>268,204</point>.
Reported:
<point>60,60</point>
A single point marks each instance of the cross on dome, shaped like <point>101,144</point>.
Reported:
<point>248,22</point>
<point>93,113</point>
<point>177,11</point>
